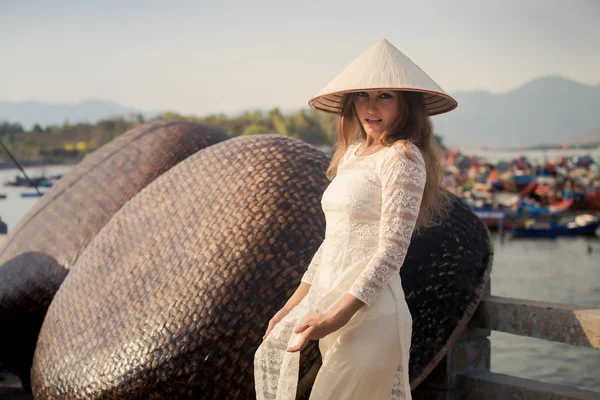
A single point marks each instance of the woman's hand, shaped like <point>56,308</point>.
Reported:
<point>316,327</point>
<point>293,301</point>
<point>279,315</point>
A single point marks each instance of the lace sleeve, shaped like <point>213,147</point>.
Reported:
<point>312,267</point>
<point>402,185</point>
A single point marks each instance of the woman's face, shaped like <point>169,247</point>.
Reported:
<point>377,110</point>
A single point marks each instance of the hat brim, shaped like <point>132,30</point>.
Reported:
<point>435,102</point>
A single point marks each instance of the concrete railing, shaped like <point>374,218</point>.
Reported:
<point>465,371</point>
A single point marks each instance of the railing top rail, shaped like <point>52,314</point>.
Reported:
<point>565,323</point>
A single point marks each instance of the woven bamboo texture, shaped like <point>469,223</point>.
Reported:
<point>443,276</point>
<point>172,297</point>
<point>48,240</point>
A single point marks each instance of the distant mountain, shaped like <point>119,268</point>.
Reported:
<point>590,137</point>
<point>550,110</point>
<point>31,113</point>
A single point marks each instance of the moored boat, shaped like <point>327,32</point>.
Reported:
<point>581,225</point>
<point>31,194</point>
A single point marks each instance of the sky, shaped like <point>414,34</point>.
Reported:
<point>200,57</point>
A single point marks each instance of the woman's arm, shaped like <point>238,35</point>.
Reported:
<point>312,267</point>
<point>297,297</point>
<point>300,292</point>
<point>402,186</point>
<point>292,302</point>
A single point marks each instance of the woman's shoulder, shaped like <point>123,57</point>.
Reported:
<point>407,150</point>
<point>348,151</point>
<point>352,146</point>
<point>405,161</point>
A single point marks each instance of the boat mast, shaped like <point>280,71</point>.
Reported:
<point>19,166</point>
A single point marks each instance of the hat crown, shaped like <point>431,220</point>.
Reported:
<point>383,66</point>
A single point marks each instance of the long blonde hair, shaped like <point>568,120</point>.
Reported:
<point>413,126</point>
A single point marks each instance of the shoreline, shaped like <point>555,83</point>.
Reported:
<point>4,165</point>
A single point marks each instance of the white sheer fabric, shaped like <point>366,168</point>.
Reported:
<point>371,207</point>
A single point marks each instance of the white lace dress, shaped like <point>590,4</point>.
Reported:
<point>370,208</point>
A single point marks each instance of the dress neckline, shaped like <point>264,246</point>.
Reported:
<point>366,155</point>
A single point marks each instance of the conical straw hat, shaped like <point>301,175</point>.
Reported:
<point>383,67</point>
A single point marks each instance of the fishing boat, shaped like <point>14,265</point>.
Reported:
<point>515,184</point>
<point>589,202</point>
<point>493,219</point>
<point>582,225</point>
<point>31,194</point>
<point>38,181</point>
<point>505,216</point>
<point>526,209</point>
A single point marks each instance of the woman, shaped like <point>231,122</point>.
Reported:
<point>385,183</point>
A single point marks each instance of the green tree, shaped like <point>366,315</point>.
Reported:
<point>254,129</point>
<point>278,122</point>
<point>172,115</point>
<point>8,128</point>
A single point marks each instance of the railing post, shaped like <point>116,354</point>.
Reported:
<point>470,353</point>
